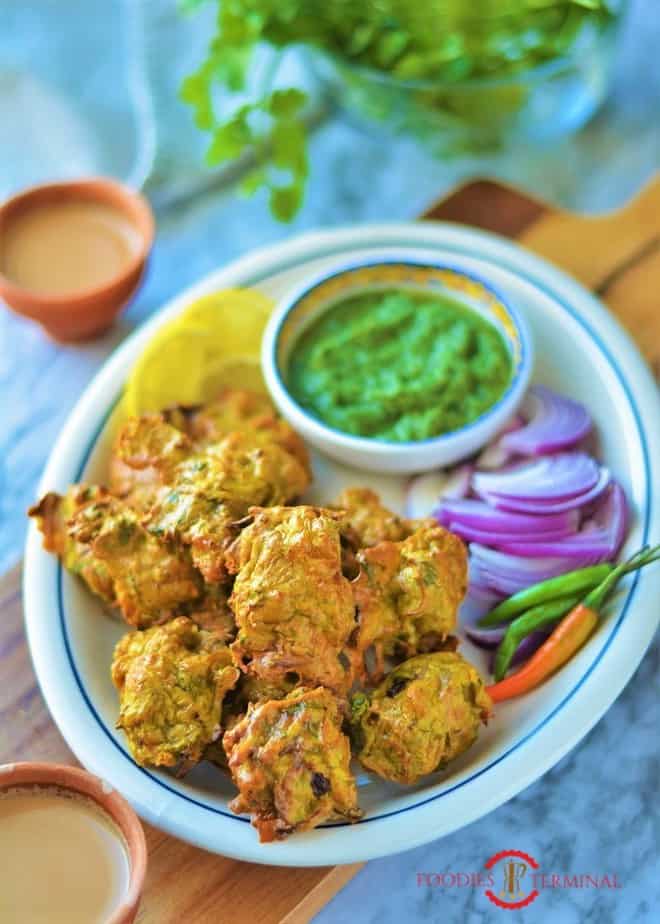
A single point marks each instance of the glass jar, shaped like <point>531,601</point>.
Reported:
<point>513,101</point>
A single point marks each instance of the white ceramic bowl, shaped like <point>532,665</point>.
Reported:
<point>300,308</point>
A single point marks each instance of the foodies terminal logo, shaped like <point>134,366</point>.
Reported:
<point>513,879</point>
<point>514,866</point>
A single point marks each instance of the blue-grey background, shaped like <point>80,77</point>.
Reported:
<point>596,811</point>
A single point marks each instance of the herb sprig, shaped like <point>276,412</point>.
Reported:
<point>445,41</point>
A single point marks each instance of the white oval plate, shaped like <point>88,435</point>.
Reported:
<point>580,350</point>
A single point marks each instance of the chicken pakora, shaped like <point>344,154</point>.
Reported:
<point>237,410</point>
<point>291,763</point>
<point>172,680</point>
<point>147,447</point>
<point>100,538</point>
<point>211,611</point>
<point>293,606</point>
<point>204,491</point>
<point>424,714</point>
<point>407,596</point>
<point>256,619</point>
<point>52,514</point>
<point>369,520</point>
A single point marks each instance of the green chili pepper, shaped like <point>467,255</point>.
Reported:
<point>570,634</point>
<point>538,617</point>
<point>583,579</point>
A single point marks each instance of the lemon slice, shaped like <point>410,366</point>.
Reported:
<point>234,372</point>
<point>214,343</point>
<point>234,318</point>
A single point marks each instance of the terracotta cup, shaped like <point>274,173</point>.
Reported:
<point>87,313</point>
<point>58,776</point>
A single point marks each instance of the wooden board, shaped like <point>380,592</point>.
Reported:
<point>617,255</point>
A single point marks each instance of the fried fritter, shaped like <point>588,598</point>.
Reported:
<point>374,595</point>
<point>151,442</point>
<point>211,611</point>
<point>253,689</point>
<point>432,582</point>
<point>195,511</point>
<point>171,680</point>
<point>146,449</point>
<point>151,581</point>
<point>138,488</point>
<point>211,490</point>
<point>293,606</point>
<point>236,410</point>
<point>369,520</point>
<point>424,714</point>
<point>407,596</point>
<point>290,761</point>
<point>249,689</point>
<point>53,513</point>
<point>99,538</point>
<point>205,491</point>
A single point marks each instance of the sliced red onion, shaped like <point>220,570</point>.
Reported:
<point>501,540</point>
<point>485,638</point>
<point>425,491</point>
<point>482,516</point>
<point>558,477</point>
<point>611,515</point>
<point>512,424</point>
<point>507,573</point>
<point>495,455</point>
<point>556,422</point>
<point>458,482</point>
<point>543,506</point>
<point>599,539</point>
<point>495,582</point>
<point>478,601</point>
<point>589,548</point>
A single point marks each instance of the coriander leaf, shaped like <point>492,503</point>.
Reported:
<point>286,103</point>
<point>475,57</point>
<point>230,139</point>
<point>285,201</point>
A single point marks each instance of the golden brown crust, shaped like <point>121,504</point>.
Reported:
<point>407,596</point>
<point>151,580</point>
<point>237,410</point>
<point>171,680</point>
<point>211,611</point>
<point>293,606</point>
<point>424,714</point>
<point>192,494</point>
<point>53,514</point>
<point>368,519</point>
<point>251,633</point>
<point>291,763</point>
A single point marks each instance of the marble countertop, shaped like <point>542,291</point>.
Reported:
<point>595,811</point>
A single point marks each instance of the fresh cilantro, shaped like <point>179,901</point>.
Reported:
<point>441,42</point>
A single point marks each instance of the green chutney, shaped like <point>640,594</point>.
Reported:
<point>398,365</point>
